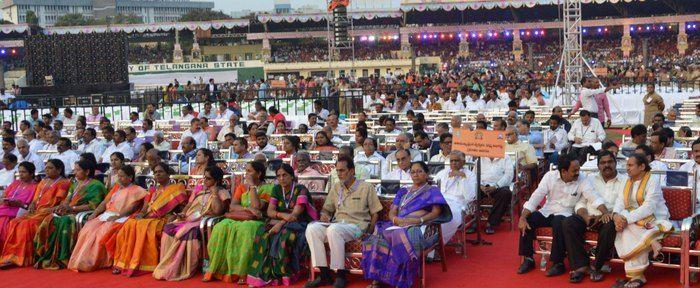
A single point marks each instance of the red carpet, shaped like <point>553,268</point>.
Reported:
<point>486,266</point>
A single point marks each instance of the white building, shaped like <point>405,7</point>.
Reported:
<point>48,11</point>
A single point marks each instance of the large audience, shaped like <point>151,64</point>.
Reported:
<point>85,192</point>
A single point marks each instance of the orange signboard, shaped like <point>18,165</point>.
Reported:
<point>480,143</point>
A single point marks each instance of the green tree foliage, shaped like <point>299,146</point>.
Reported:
<point>204,15</point>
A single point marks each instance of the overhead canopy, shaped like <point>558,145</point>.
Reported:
<point>151,27</point>
<point>320,16</point>
<point>422,5</point>
<point>10,28</point>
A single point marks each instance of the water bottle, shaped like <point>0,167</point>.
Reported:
<point>543,263</point>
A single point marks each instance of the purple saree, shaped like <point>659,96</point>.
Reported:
<point>392,255</point>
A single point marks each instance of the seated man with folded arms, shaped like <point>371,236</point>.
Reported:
<point>641,219</point>
<point>351,209</point>
<point>458,186</point>
<point>496,178</point>
<point>586,132</point>
<point>607,182</point>
<point>562,189</point>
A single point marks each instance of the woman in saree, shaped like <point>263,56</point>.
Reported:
<point>17,196</point>
<point>138,242</point>
<point>93,251</point>
<point>391,254</point>
<point>322,142</point>
<point>180,247</point>
<point>58,232</point>
<point>116,161</point>
<point>278,252</point>
<point>203,159</point>
<point>231,244</point>
<point>290,146</point>
<point>18,249</point>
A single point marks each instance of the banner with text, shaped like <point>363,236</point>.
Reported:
<point>480,143</point>
<point>192,67</point>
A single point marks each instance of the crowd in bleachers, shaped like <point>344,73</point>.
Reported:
<point>161,53</point>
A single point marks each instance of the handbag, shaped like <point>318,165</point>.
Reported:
<point>240,215</point>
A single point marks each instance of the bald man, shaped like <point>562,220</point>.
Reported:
<point>458,186</point>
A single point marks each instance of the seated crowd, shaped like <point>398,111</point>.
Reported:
<point>272,196</point>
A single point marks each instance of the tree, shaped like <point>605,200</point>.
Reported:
<point>31,18</point>
<point>204,15</point>
<point>71,19</point>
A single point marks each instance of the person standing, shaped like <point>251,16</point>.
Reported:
<point>653,104</point>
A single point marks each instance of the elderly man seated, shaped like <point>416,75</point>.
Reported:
<point>562,189</point>
<point>641,219</point>
<point>188,153</point>
<point>351,209</point>
<point>403,141</point>
<point>304,169</point>
<point>524,152</point>
<point>402,172</point>
<point>586,133</point>
<point>458,186</point>
<point>364,159</point>
<point>607,183</point>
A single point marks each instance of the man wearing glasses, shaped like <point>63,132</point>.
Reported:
<point>458,186</point>
<point>445,149</point>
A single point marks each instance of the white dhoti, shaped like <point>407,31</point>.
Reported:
<point>450,228</point>
<point>633,245</point>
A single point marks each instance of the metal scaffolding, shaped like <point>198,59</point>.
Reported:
<point>572,57</point>
<point>340,37</point>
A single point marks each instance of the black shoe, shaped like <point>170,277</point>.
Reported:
<point>318,282</point>
<point>576,276</point>
<point>556,270</point>
<point>527,266</point>
<point>596,275</point>
<point>340,282</point>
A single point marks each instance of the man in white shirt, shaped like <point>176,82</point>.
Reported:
<point>196,132</point>
<point>187,113</point>
<point>134,119</point>
<point>474,103</point>
<point>366,170</point>
<point>639,137</point>
<point>26,155</point>
<point>496,178</point>
<point>390,127</point>
<point>147,129</point>
<point>402,172</point>
<point>224,112</point>
<point>587,134</point>
<point>208,112</point>
<point>8,147</point>
<point>562,189</point>
<point>263,145</point>
<point>7,174</point>
<point>332,121</point>
<point>403,141</point>
<point>119,145</point>
<point>589,88</point>
<point>608,184</point>
<point>654,163</point>
<point>321,112</point>
<point>445,149</point>
<point>453,103</point>
<point>69,118</point>
<point>458,186</point>
<point>65,154</point>
<point>91,144</point>
<point>694,166</point>
<point>34,144</point>
<point>313,123</point>
<point>231,126</point>
<point>555,139</point>
<point>455,123</point>
<point>658,142</point>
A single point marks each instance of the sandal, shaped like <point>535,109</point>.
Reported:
<point>620,283</point>
<point>596,275</point>
<point>576,276</point>
<point>636,283</point>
